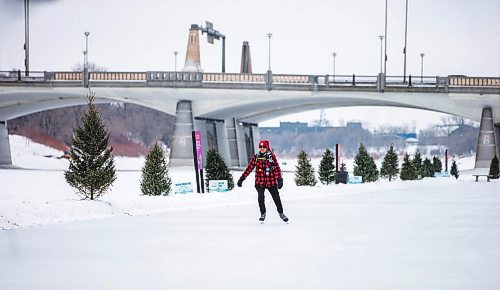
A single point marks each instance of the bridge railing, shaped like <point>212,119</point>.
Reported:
<point>278,81</point>
<point>65,76</point>
<point>350,80</point>
<point>21,76</point>
<point>234,78</point>
<point>463,81</point>
<point>117,76</point>
<point>293,79</point>
<point>164,76</point>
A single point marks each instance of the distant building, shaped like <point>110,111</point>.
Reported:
<point>301,127</point>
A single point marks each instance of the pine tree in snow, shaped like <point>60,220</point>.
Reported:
<point>365,166</point>
<point>304,172</point>
<point>390,165</point>
<point>216,168</point>
<point>408,171</point>
<point>91,166</point>
<point>417,163</point>
<point>494,170</point>
<point>437,165</point>
<point>155,178</point>
<point>454,169</point>
<point>326,170</point>
<point>427,169</point>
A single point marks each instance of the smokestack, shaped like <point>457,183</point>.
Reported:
<point>193,63</point>
<point>246,60</point>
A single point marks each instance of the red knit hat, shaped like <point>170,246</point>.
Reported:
<point>265,143</point>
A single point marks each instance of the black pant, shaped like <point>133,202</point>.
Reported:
<point>274,193</point>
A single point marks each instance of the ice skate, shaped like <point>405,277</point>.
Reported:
<point>283,217</point>
<point>262,218</point>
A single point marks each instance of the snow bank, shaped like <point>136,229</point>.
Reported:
<point>40,195</point>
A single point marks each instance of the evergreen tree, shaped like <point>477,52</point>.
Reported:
<point>408,169</point>
<point>155,179</point>
<point>216,168</point>
<point>343,167</point>
<point>327,168</point>
<point>91,166</point>
<point>494,167</point>
<point>304,171</point>
<point>454,169</point>
<point>390,165</point>
<point>417,163</point>
<point>427,169</point>
<point>437,166</point>
<point>365,166</point>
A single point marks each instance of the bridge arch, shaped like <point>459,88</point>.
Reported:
<point>232,107</point>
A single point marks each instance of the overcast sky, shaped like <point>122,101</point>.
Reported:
<point>457,36</point>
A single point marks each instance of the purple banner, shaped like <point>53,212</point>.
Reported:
<point>199,149</point>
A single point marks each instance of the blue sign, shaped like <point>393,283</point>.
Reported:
<point>355,179</point>
<point>217,185</point>
<point>183,188</point>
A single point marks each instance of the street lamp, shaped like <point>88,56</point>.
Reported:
<point>175,65</point>
<point>381,45</point>
<point>334,55</point>
<point>27,36</point>
<point>86,61</point>
<point>269,35</point>
<point>422,67</point>
<point>86,64</point>
<point>385,44</point>
<point>404,49</point>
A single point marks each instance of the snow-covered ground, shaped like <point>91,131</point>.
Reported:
<point>439,233</point>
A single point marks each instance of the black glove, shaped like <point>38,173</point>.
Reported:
<point>280,182</point>
<point>240,181</point>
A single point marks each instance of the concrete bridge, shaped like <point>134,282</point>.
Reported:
<point>227,107</point>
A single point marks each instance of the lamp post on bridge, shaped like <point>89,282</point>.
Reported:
<point>385,44</point>
<point>381,45</point>
<point>422,67</point>
<point>27,37</point>
<point>269,35</point>
<point>404,49</point>
<point>86,60</point>
<point>334,55</point>
<point>175,61</point>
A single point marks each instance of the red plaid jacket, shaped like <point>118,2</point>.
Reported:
<point>267,169</point>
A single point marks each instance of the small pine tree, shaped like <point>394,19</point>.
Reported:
<point>417,163</point>
<point>437,165</point>
<point>427,169</point>
<point>327,168</point>
<point>343,167</point>
<point>304,172</point>
<point>390,165</point>
<point>216,168</point>
<point>407,169</point>
<point>91,166</point>
<point>494,171</point>
<point>454,169</point>
<point>155,179</point>
<point>365,166</point>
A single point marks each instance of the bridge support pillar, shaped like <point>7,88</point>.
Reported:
<point>181,153</point>
<point>497,135</point>
<point>213,135</point>
<point>242,140</point>
<point>5,156</point>
<point>486,146</point>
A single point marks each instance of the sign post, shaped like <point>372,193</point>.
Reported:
<point>446,160</point>
<point>337,163</point>
<point>198,161</point>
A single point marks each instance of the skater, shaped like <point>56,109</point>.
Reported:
<point>267,176</point>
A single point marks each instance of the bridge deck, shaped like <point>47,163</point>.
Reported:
<point>421,84</point>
